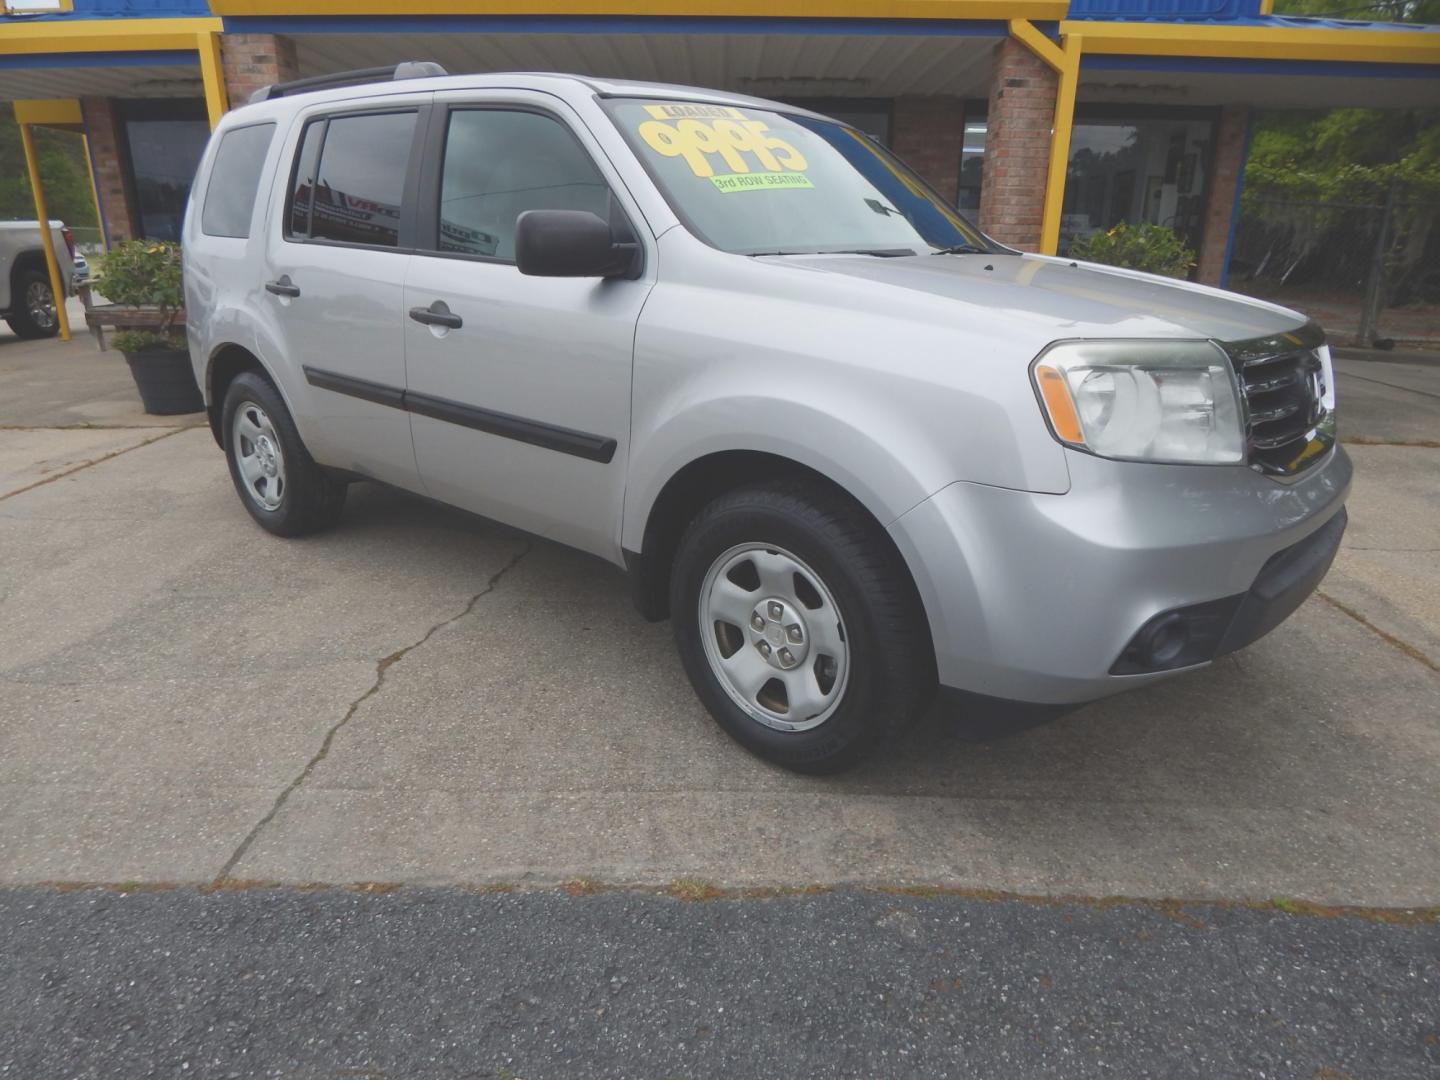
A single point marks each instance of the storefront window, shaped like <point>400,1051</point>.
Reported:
<point>164,141</point>
<point>1137,167</point>
<point>870,115</point>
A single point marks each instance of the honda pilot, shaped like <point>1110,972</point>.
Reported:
<point>861,455</point>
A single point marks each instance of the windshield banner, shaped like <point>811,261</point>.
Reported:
<point>749,154</point>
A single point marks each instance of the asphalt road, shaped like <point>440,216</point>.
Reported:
<point>443,985</point>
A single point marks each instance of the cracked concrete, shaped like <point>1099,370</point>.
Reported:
<point>381,667</point>
<point>181,692</point>
<point>1386,576</point>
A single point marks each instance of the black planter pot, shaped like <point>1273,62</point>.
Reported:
<point>166,381</point>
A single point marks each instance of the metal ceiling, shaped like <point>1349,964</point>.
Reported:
<point>788,65</point>
<point>17,84</point>
<point>1288,91</point>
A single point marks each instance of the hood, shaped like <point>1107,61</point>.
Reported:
<point>1073,299</point>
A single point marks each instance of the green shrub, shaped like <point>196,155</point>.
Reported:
<point>144,274</point>
<point>1151,248</point>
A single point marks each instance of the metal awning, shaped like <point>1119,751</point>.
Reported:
<point>767,65</point>
<point>81,76</point>
<point>1259,84</point>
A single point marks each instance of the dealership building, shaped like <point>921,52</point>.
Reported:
<point>1040,119</point>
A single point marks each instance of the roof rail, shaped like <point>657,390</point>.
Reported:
<point>410,69</point>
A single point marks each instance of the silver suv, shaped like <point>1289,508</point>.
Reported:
<point>856,451</point>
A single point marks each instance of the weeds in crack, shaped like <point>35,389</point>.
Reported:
<point>62,474</point>
<point>381,667</point>
<point>1390,639</point>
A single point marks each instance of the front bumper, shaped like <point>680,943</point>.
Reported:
<point>1037,598</point>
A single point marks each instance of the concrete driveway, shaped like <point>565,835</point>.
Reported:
<point>425,697</point>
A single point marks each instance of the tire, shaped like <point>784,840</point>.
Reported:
<point>26,318</point>
<point>804,557</point>
<point>274,475</point>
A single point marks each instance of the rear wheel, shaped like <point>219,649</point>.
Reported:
<point>799,626</point>
<point>33,312</point>
<point>277,480</point>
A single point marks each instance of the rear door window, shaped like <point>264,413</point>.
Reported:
<point>234,180</point>
<point>352,193</point>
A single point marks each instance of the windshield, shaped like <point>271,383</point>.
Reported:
<point>759,182</point>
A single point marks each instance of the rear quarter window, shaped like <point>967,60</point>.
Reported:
<point>234,180</point>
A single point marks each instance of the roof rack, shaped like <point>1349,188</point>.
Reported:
<point>410,69</point>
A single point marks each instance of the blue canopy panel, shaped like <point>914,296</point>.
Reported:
<point>131,9</point>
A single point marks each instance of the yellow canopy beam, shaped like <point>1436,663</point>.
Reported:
<point>47,242</point>
<point>201,36</point>
<point>104,35</point>
<point>62,114</point>
<point>1060,146</point>
<point>1024,31</point>
<point>50,112</point>
<point>212,75</point>
<point>1064,58</point>
<point>95,192</point>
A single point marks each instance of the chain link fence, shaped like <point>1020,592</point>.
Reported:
<point>1368,271</point>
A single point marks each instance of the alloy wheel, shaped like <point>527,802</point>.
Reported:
<point>257,452</point>
<point>40,305</point>
<point>774,636</point>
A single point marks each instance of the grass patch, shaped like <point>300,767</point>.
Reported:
<point>694,890</point>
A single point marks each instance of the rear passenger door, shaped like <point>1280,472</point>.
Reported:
<point>521,409</point>
<point>334,282</point>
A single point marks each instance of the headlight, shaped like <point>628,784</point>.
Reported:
<point>1164,401</point>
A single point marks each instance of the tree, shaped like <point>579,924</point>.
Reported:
<point>64,172</point>
<point>1412,11</point>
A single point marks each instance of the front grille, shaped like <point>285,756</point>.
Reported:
<point>1283,386</point>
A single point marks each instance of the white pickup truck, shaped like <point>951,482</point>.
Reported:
<point>27,302</point>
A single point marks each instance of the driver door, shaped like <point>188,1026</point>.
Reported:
<point>518,387</point>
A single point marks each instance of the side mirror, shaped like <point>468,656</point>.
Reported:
<point>570,243</point>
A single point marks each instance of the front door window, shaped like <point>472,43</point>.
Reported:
<point>500,163</point>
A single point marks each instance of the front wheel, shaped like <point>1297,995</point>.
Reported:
<point>799,626</point>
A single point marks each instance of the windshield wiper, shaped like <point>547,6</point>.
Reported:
<point>879,253</point>
<point>960,249</point>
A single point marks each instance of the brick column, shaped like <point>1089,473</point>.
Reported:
<point>1226,169</point>
<point>107,142</point>
<point>250,61</point>
<point>928,135</point>
<point>1017,146</point>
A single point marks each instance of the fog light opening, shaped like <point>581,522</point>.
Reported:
<point>1164,641</point>
<point>1177,638</point>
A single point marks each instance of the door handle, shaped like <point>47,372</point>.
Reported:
<point>437,314</point>
<point>283,287</point>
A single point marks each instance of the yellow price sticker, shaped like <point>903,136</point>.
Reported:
<point>729,138</point>
<point>679,110</point>
<point>760,181</point>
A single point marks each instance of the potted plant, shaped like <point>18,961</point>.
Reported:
<point>144,277</point>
